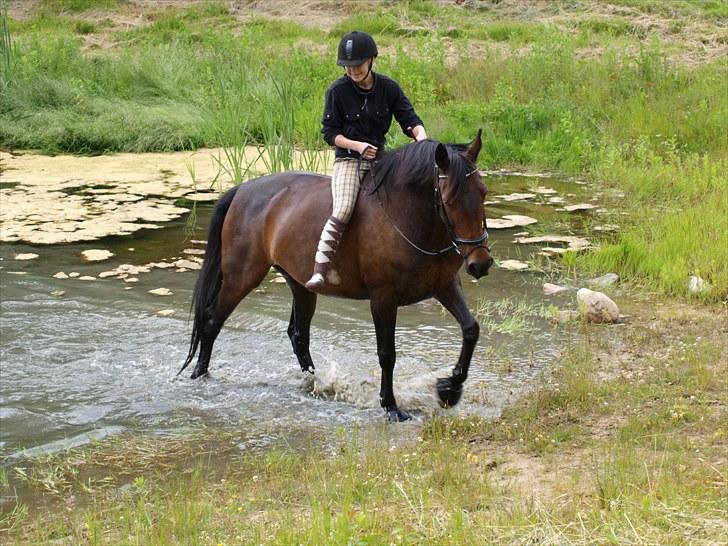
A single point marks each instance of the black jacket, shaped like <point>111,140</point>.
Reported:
<point>365,115</point>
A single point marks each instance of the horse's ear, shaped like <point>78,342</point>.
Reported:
<point>441,157</point>
<point>474,147</point>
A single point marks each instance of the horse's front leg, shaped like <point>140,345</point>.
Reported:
<point>449,389</point>
<point>384,313</point>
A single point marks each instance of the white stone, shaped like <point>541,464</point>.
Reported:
<point>161,292</point>
<point>74,274</point>
<point>549,289</point>
<point>193,251</point>
<point>279,280</point>
<point>57,293</point>
<point>579,206</point>
<point>166,312</point>
<point>516,196</point>
<point>187,264</point>
<point>520,220</point>
<point>544,190</point>
<point>87,278</point>
<point>696,285</point>
<point>96,255</point>
<point>575,243</point>
<point>513,265</point>
<point>60,275</point>
<point>500,223</point>
<point>596,306</point>
<point>26,256</point>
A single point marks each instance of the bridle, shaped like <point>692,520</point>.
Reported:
<point>439,205</point>
<point>455,240</point>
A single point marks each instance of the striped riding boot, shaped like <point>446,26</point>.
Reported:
<point>329,242</point>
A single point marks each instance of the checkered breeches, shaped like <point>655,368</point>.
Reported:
<point>345,186</point>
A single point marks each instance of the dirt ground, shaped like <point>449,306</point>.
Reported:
<point>696,39</point>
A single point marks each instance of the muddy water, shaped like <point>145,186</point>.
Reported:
<point>98,360</point>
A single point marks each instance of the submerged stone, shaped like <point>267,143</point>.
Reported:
<point>161,292</point>
<point>550,289</point>
<point>575,243</point>
<point>579,206</point>
<point>513,265</point>
<point>500,223</point>
<point>187,264</point>
<point>27,256</point>
<point>604,281</point>
<point>516,196</point>
<point>96,255</point>
<point>519,220</point>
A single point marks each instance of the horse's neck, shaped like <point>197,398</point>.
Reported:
<point>414,207</point>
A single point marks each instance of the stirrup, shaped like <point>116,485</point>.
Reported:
<point>316,282</point>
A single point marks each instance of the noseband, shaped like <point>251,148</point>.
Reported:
<point>455,241</point>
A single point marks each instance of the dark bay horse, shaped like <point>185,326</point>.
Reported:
<point>416,220</point>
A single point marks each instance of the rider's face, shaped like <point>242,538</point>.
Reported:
<point>359,72</point>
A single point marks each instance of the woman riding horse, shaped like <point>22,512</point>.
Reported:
<point>357,115</point>
<point>420,220</point>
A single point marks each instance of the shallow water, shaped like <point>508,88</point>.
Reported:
<point>99,361</point>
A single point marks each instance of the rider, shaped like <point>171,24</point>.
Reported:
<point>357,115</point>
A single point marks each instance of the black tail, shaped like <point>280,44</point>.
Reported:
<point>209,282</point>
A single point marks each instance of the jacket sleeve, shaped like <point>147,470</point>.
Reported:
<point>403,110</point>
<point>331,122</point>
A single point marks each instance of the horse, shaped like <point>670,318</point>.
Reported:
<point>418,217</point>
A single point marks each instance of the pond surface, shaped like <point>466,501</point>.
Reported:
<point>98,360</point>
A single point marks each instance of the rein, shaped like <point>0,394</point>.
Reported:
<point>455,241</point>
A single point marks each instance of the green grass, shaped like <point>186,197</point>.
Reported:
<point>625,114</point>
<point>631,457</point>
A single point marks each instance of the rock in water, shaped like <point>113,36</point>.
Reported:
<point>596,306</point>
<point>96,255</point>
<point>604,281</point>
<point>550,289</point>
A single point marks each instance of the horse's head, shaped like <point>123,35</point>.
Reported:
<point>462,194</point>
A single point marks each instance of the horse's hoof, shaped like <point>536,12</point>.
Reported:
<point>449,392</point>
<point>198,373</point>
<point>397,415</point>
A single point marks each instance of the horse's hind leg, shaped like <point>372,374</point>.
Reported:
<point>384,313</point>
<point>232,291</point>
<point>299,327</point>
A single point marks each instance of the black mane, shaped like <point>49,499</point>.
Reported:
<point>414,163</point>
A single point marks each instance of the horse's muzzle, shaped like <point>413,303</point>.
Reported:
<point>479,268</point>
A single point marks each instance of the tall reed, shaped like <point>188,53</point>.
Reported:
<point>7,48</point>
<point>277,149</point>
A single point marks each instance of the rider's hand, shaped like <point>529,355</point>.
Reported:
<point>367,151</point>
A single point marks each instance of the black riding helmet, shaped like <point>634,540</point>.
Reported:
<point>355,48</point>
